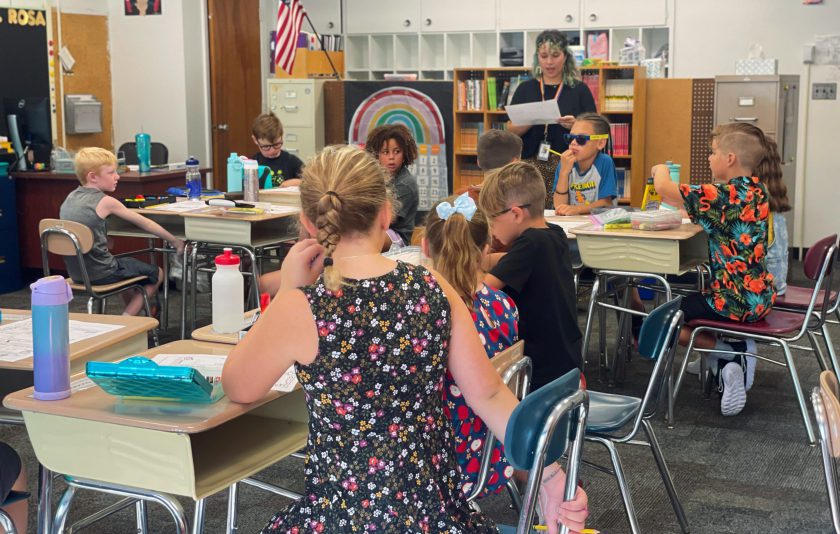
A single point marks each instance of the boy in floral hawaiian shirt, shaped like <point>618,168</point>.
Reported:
<point>734,212</point>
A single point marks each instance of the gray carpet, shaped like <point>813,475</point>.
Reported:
<point>749,473</point>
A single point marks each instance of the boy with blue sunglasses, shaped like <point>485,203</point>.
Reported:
<point>585,178</point>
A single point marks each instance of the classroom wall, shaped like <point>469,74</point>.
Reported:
<point>709,36</point>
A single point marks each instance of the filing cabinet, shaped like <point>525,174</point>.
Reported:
<point>299,104</point>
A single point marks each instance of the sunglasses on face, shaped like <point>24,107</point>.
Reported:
<point>581,139</point>
<point>500,213</point>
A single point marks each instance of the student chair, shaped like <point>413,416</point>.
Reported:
<point>159,153</point>
<point>782,328</point>
<point>826,401</point>
<point>515,369</point>
<point>546,424</point>
<point>5,519</point>
<point>609,413</point>
<point>70,238</point>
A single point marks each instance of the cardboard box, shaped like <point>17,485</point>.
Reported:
<point>313,64</point>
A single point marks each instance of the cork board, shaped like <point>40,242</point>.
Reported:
<point>702,123</point>
<point>87,38</point>
<point>668,120</point>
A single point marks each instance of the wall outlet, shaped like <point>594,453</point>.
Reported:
<point>824,91</point>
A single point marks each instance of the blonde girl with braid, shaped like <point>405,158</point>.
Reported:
<point>457,239</point>
<point>370,340</point>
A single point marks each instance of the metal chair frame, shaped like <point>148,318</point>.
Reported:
<point>828,460</point>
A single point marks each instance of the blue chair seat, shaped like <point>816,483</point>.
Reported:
<point>507,529</point>
<point>609,412</point>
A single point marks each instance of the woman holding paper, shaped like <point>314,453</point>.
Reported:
<point>556,77</point>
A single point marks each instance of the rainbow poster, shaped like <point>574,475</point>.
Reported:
<point>421,115</point>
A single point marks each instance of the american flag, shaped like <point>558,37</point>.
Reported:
<point>289,20</point>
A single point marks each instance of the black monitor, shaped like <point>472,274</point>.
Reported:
<point>30,119</point>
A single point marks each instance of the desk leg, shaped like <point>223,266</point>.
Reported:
<point>587,331</point>
<point>45,482</point>
<point>63,509</point>
<point>164,314</point>
<point>231,515</point>
<point>198,517</point>
<point>255,271</point>
<point>142,519</point>
<point>184,288</point>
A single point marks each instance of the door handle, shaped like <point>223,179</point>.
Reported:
<point>743,119</point>
<point>593,17</point>
<point>569,18</point>
<point>330,25</point>
<point>222,127</point>
<point>289,107</point>
<point>428,22</point>
<point>406,23</point>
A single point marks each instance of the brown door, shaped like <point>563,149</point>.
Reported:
<point>235,79</point>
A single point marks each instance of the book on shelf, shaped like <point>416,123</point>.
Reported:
<point>620,134</point>
<point>618,95</point>
<point>491,93</point>
<point>470,175</point>
<point>593,81</point>
<point>499,125</point>
<point>469,134</point>
<point>514,83</point>
<point>503,98</point>
<point>620,182</point>
<point>471,94</point>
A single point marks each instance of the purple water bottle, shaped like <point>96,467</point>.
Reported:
<point>51,337</point>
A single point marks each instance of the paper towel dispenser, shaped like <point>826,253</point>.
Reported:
<point>82,114</point>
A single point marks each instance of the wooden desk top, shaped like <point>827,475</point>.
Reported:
<point>128,176</point>
<point>206,333</point>
<point>216,212</point>
<point>96,405</point>
<point>131,326</point>
<point>685,231</point>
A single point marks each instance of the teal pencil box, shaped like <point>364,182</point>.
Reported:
<point>141,378</point>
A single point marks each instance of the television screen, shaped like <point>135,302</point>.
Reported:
<point>34,125</point>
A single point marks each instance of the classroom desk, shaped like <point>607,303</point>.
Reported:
<point>567,222</point>
<point>284,196</point>
<point>206,333</point>
<point>191,450</point>
<point>40,194</point>
<point>130,339</point>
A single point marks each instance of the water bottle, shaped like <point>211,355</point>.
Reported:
<point>228,289</point>
<point>143,142</point>
<point>51,337</point>
<point>193,179</point>
<point>252,180</point>
<point>234,173</point>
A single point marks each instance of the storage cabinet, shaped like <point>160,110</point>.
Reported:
<point>374,16</point>
<point>325,15</point>
<point>463,15</point>
<point>528,14</point>
<point>299,104</point>
<point>618,14</point>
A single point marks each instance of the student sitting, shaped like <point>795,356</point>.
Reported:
<point>13,480</point>
<point>370,340</point>
<point>535,272</point>
<point>283,167</point>
<point>96,169</point>
<point>497,148</point>
<point>457,238</point>
<point>734,211</point>
<point>585,178</point>
<point>396,149</point>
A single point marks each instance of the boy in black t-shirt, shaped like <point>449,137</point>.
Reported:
<point>283,168</point>
<point>535,272</point>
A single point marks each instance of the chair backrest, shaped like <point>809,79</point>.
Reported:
<point>159,153</point>
<point>510,355</point>
<point>819,266</point>
<point>540,430</point>
<point>658,341</point>
<point>815,257</point>
<point>65,238</point>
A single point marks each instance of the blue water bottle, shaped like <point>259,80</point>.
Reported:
<point>234,173</point>
<point>51,337</point>
<point>193,179</point>
<point>143,142</point>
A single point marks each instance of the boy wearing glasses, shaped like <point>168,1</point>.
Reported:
<point>585,178</point>
<point>535,272</point>
<point>283,168</point>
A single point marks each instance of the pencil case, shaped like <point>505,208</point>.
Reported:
<point>140,377</point>
<point>610,216</point>
<point>656,219</point>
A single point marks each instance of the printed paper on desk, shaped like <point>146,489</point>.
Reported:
<point>567,226</point>
<point>288,189</point>
<point>277,208</point>
<point>186,205</point>
<point>16,337</point>
<point>210,365</point>
<point>545,112</point>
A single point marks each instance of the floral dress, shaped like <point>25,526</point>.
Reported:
<point>497,321</point>
<point>379,444</point>
<point>735,215</point>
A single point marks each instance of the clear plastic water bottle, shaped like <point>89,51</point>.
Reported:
<point>51,337</point>
<point>228,289</point>
<point>193,179</point>
<point>252,180</point>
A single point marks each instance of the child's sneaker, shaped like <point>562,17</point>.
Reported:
<point>751,361</point>
<point>693,367</point>
<point>734,395</point>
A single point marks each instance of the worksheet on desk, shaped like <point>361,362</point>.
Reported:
<point>210,365</point>
<point>16,338</point>
<point>183,206</point>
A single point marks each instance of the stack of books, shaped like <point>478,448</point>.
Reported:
<point>471,175</point>
<point>593,81</point>
<point>471,95</point>
<point>470,132</point>
<point>620,133</point>
<point>618,95</point>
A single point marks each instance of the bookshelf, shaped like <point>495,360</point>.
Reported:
<point>473,116</point>
<point>619,95</point>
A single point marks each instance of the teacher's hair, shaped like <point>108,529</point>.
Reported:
<point>556,40</point>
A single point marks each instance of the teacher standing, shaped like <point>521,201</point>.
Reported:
<point>556,77</point>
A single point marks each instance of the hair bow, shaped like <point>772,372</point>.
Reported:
<point>464,205</point>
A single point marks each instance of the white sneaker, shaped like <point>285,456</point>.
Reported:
<point>693,367</point>
<point>751,361</point>
<point>734,395</point>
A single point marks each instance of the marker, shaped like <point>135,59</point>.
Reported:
<point>265,300</point>
<point>555,152</point>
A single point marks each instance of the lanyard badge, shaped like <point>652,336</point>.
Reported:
<point>545,147</point>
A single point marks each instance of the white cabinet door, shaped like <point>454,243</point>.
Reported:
<point>376,16</point>
<point>542,14</point>
<point>460,15</point>
<point>618,13</point>
<point>325,15</point>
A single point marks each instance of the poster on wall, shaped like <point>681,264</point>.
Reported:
<point>142,7</point>
<point>425,108</point>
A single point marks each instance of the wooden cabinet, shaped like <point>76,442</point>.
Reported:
<point>463,15</point>
<point>325,15</point>
<point>374,16</point>
<point>530,14</point>
<point>618,14</point>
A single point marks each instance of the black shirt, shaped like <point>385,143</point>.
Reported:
<point>284,167</point>
<point>537,274</point>
<point>572,101</point>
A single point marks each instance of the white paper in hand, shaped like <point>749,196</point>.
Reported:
<point>545,112</point>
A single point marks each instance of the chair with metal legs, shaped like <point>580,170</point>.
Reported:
<point>609,413</point>
<point>781,328</point>
<point>826,401</point>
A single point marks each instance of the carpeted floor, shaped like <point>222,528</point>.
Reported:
<point>744,474</point>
